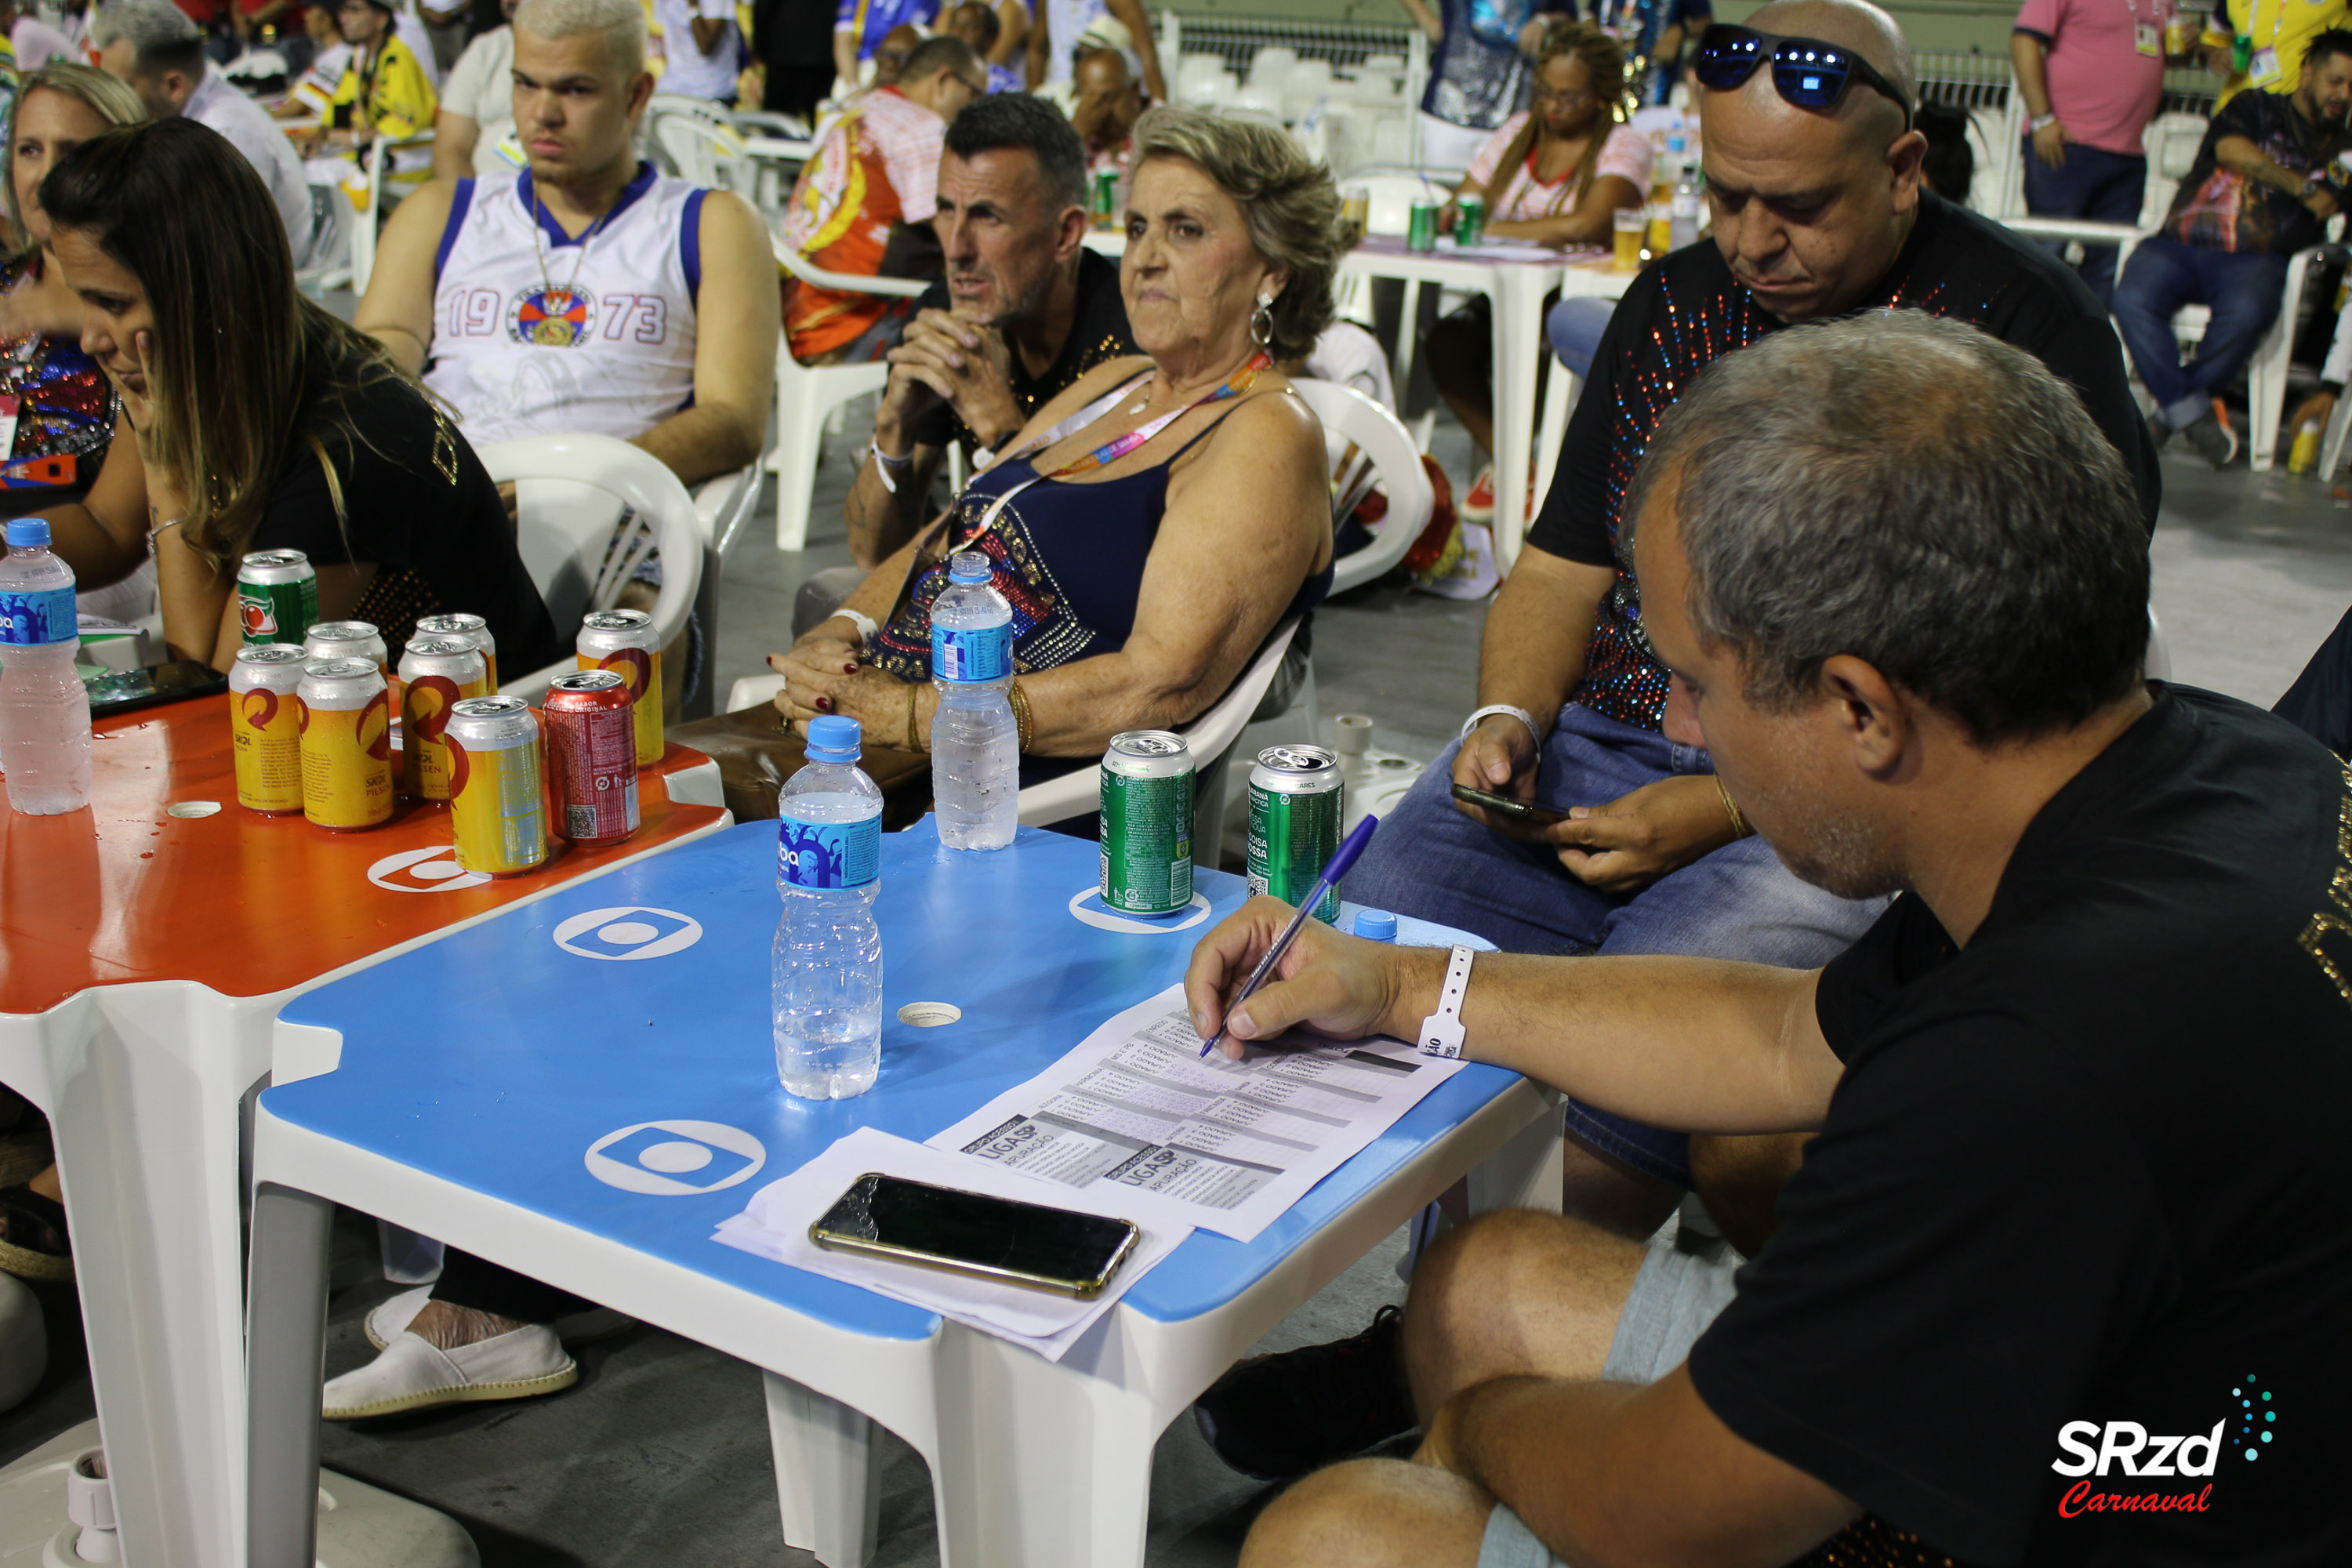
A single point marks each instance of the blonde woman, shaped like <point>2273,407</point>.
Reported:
<point>1556,172</point>
<point>66,408</point>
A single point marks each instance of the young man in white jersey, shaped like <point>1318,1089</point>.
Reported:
<point>589,293</point>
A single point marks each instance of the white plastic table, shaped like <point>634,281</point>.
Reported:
<point>638,1011</point>
<point>1515,280</point>
<point>143,957</point>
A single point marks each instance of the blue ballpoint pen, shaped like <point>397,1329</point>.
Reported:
<point>1337,868</point>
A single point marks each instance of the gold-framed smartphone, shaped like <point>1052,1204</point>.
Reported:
<point>978,1236</point>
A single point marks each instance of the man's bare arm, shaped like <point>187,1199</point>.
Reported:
<point>1608,1474</point>
<point>709,32</point>
<point>737,320</point>
<point>1138,22</point>
<point>845,56</point>
<point>880,520</point>
<point>398,309</point>
<point>454,136</point>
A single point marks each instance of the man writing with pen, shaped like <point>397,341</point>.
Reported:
<point>2015,1311</point>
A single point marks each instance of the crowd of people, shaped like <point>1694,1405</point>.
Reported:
<point>1886,931</point>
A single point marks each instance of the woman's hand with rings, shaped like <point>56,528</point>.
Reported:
<point>823,676</point>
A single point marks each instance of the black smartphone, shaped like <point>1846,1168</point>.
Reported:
<point>127,690</point>
<point>987,1237</point>
<point>1505,805</point>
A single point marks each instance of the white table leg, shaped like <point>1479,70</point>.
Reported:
<point>827,1485</point>
<point>1518,293</point>
<point>1525,1173</point>
<point>284,1365</point>
<point>1041,1465</point>
<point>1408,337</point>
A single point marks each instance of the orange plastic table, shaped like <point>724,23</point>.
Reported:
<point>143,956</point>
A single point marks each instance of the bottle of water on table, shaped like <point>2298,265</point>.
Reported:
<point>828,952</point>
<point>44,712</point>
<point>975,744</point>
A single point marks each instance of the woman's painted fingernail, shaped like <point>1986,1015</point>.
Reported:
<point>825,704</point>
<point>849,670</point>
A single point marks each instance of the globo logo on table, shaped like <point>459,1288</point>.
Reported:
<point>628,932</point>
<point>655,1157</point>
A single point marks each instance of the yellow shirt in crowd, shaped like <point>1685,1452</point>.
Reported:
<point>2283,27</point>
<point>391,92</point>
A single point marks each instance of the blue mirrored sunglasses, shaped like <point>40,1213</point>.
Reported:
<point>1806,72</point>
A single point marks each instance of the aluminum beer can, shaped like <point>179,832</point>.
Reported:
<point>592,755</point>
<point>2180,33</point>
<point>497,809</point>
<point>266,727</point>
<point>347,639</point>
<point>624,641</point>
<point>1146,823</point>
<point>1294,805</point>
<point>1103,208</point>
<point>277,596</point>
<point>346,718</point>
<point>1469,219</point>
<point>435,675</point>
<point>1421,232</point>
<point>465,626</point>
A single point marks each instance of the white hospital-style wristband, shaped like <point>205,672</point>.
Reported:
<point>1441,1032</point>
<point>886,466</point>
<point>863,623</point>
<point>1488,712</point>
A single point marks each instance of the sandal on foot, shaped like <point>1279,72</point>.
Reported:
<point>34,1246</point>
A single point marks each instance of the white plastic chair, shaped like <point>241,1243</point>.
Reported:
<point>382,160</point>
<point>704,151</point>
<point>805,394</point>
<point>1385,453</point>
<point>570,492</point>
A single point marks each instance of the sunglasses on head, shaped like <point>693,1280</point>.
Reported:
<point>1806,72</point>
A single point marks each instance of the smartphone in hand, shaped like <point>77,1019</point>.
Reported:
<point>1506,805</point>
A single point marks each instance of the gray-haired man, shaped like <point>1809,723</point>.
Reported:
<point>2018,1309</point>
<point>153,47</point>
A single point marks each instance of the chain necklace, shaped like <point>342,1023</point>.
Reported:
<point>551,329</point>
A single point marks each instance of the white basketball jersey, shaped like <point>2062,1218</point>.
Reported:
<point>536,333</point>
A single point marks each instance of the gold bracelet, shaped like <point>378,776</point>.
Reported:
<point>1740,828</point>
<point>911,690</point>
<point>1024,726</point>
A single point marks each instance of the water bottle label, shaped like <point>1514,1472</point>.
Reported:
<point>828,854</point>
<point>44,615</point>
<point>982,653</point>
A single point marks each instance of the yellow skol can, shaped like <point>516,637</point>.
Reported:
<point>437,673</point>
<point>496,801</point>
<point>266,727</point>
<point>346,719</point>
<point>623,641</point>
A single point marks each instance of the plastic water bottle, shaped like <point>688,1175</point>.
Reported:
<point>44,712</point>
<point>828,953</point>
<point>975,744</point>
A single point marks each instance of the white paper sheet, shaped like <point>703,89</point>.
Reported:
<point>774,1226</point>
<point>1135,1116</point>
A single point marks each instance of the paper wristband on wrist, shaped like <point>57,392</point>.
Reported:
<point>1441,1032</point>
<point>1488,712</point>
<point>884,463</point>
<point>863,622</point>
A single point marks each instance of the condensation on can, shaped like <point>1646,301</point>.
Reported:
<point>277,596</point>
<point>474,626</point>
<point>592,756</point>
<point>497,811</point>
<point>1295,806</point>
<point>624,642</point>
<point>435,675</point>
<point>346,720</point>
<point>1421,231</point>
<point>1145,856</point>
<point>266,727</point>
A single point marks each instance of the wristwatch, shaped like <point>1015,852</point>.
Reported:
<point>1441,1032</point>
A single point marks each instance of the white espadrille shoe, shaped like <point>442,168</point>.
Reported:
<point>413,1374</point>
<point>390,1318</point>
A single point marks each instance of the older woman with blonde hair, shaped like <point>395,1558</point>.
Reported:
<point>1155,522</point>
<point>66,410</point>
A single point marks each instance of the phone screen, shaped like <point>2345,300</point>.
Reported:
<point>123,691</point>
<point>971,1227</point>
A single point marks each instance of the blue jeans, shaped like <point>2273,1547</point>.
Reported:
<point>1740,903</point>
<point>1574,326</point>
<point>2094,184</point>
<point>2242,292</point>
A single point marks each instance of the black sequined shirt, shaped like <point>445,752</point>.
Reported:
<point>1687,309</point>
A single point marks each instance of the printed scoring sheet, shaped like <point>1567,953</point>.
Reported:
<point>1135,1110</point>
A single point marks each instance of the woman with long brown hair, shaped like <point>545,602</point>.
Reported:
<point>258,421</point>
<point>1555,173</point>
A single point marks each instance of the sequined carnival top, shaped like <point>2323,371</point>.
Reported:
<point>1687,310</point>
<point>65,414</point>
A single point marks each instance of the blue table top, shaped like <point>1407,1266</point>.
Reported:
<point>499,1057</point>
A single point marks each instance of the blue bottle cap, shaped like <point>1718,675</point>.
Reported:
<point>970,566</point>
<point>1376,925</point>
<point>28,532</point>
<point>834,739</point>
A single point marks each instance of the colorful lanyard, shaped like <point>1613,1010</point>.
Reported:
<point>1241,381</point>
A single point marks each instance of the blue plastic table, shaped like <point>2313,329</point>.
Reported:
<point>494,1089</point>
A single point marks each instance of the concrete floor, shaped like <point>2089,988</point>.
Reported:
<point>660,1453</point>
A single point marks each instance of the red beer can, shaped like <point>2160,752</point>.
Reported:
<point>592,755</point>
